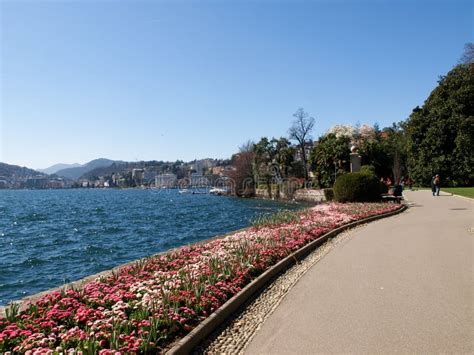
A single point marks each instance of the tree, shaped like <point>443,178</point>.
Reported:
<point>394,145</point>
<point>374,153</point>
<point>247,146</point>
<point>441,132</point>
<point>468,55</point>
<point>300,131</point>
<point>242,175</point>
<point>330,157</point>
<point>263,157</point>
<point>371,146</point>
<point>342,130</point>
<point>284,155</point>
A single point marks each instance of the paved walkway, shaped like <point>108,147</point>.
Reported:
<point>399,285</point>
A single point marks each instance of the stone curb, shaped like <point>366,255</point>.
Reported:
<point>463,197</point>
<point>207,326</point>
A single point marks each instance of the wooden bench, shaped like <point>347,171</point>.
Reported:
<point>394,194</point>
<point>391,197</point>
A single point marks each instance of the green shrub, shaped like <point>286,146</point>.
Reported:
<point>367,169</point>
<point>357,187</point>
<point>328,194</point>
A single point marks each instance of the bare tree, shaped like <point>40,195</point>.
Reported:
<point>242,175</point>
<point>468,55</point>
<point>300,131</point>
<point>247,146</point>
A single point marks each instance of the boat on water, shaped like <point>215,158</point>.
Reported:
<point>193,192</point>
<point>218,191</point>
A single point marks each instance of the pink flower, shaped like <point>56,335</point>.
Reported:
<point>173,291</point>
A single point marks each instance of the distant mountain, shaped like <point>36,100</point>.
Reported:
<point>77,172</point>
<point>17,172</point>
<point>56,167</point>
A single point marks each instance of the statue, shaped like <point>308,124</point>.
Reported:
<point>355,159</point>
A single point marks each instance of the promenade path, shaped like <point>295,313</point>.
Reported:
<point>399,285</point>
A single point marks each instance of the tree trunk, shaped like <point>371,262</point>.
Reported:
<point>305,164</point>
<point>397,169</point>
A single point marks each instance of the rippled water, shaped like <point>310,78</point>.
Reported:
<point>50,237</point>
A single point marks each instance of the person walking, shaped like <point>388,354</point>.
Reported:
<point>435,185</point>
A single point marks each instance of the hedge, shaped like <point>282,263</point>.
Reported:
<point>357,187</point>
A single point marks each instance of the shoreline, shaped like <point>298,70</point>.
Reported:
<point>83,279</point>
<point>282,239</point>
<point>79,284</point>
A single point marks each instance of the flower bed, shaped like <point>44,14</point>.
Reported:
<point>145,306</point>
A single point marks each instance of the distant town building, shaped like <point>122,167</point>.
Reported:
<point>100,182</point>
<point>84,183</point>
<point>40,182</point>
<point>56,184</point>
<point>199,166</point>
<point>166,180</point>
<point>222,170</point>
<point>138,174</point>
<point>308,147</point>
<point>149,176</point>
<point>208,163</point>
<point>218,170</point>
<point>115,178</point>
<point>198,180</point>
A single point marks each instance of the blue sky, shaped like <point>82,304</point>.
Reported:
<point>195,79</point>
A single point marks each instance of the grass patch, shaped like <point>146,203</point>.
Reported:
<point>461,191</point>
<point>281,217</point>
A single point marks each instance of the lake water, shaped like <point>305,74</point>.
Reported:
<point>51,237</point>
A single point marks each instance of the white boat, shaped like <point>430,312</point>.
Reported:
<point>218,191</point>
<point>184,191</point>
